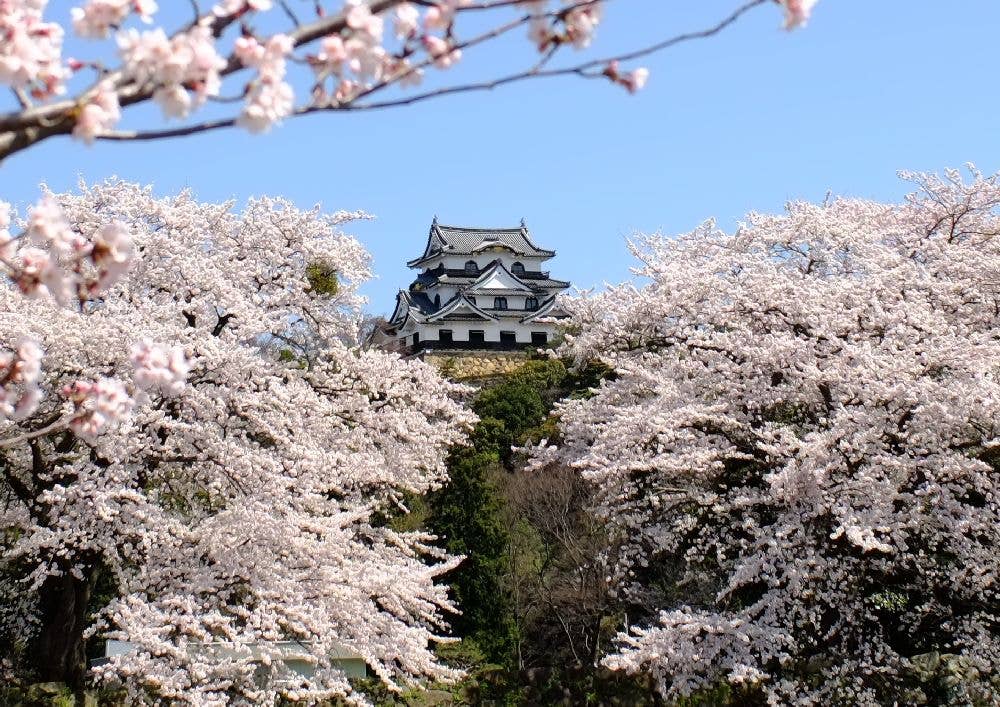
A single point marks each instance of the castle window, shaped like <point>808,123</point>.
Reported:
<point>539,337</point>
<point>437,301</point>
<point>416,339</point>
<point>444,336</point>
<point>508,337</point>
<point>517,268</point>
<point>499,303</point>
<point>477,336</point>
<point>531,303</point>
<point>470,267</point>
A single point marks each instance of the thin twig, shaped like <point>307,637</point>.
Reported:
<point>56,426</point>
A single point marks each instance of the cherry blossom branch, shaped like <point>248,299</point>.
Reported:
<point>182,71</point>
<point>57,426</point>
<point>583,70</point>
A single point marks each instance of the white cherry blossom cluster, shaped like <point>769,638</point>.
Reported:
<point>99,114</point>
<point>241,508</point>
<point>96,404</point>
<point>576,26</point>
<point>53,259</point>
<point>159,368</point>
<point>798,452</point>
<point>31,50</point>
<point>97,17</point>
<point>184,69</point>
<point>270,98</point>
<point>19,372</point>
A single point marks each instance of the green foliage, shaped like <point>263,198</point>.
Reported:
<point>947,679</point>
<point>467,515</point>
<point>515,403</point>
<point>890,601</point>
<point>322,279</point>
<point>472,516</point>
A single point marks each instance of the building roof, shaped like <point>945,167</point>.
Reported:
<point>548,308</point>
<point>535,282</point>
<point>497,278</point>
<point>460,307</point>
<point>464,240</point>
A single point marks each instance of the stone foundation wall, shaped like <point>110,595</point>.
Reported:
<point>470,365</point>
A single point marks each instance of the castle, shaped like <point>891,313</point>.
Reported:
<point>479,289</point>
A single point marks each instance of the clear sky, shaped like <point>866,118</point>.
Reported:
<point>745,120</point>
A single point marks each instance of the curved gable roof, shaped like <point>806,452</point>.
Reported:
<point>465,240</point>
<point>548,308</point>
<point>496,276</point>
<point>455,305</point>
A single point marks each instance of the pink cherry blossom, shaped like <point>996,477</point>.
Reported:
<point>99,114</point>
<point>581,24</point>
<point>112,254</point>
<point>97,17</point>
<point>407,20</point>
<point>38,276</point>
<point>797,12</point>
<point>159,368</point>
<point>96,405</point>
<point>361,19</point>
<point>270,98</point>
<point>267,104</point>
<point>19,373</point>
<point>68,262</point>
<point>540,33</point>
<point>47,225</point>
<point>189,59</point>
<point>30,53</point>
<point>442,51</point>
<point>636,79</point>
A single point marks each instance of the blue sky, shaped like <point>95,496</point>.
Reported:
<point>745,120</point>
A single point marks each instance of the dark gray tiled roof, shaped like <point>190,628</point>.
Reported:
<point>422,302</point>
<point>535,280</point>
<point>462,240</point>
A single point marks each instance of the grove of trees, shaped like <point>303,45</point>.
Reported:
<point>796,456</point>
<point>209,492</point>
<point>764,476</point>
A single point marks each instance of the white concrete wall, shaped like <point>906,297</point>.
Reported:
<point>484,300</point>
<point>491,330</point>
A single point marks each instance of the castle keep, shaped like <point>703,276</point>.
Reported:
<point>479,289</point>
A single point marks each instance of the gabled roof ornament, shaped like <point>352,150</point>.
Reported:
<point>523,224</point>
<point>435,221</point>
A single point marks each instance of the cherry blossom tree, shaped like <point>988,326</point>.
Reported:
<point>799,448</point>
<point>228,497</point>
<point>279,63</point>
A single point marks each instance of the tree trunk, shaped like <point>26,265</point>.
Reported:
<point>58,651</point>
